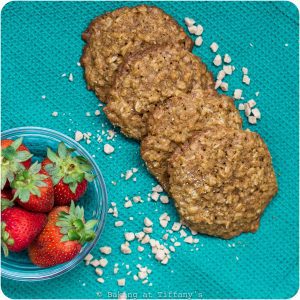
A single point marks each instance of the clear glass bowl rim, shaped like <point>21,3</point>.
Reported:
<point>52,272</point>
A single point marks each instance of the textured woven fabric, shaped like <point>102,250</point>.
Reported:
<point>41,41</point>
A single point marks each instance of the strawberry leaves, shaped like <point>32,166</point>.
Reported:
<point>7,175</point>
<point>73,226</point>
<point>28,182</point>
<point>11,161</point>
<point>22,156</point>
<point>52,156</point>
<point>5,203</point>
<point>6,240</point>
<point>70,169</point>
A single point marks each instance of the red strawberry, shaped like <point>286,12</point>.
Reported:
<point>70,174</point>
<point>19,228</point>
<point>33,189</point>
<point>63,236</point>
<point>14,156</point>
<point>63,194</point>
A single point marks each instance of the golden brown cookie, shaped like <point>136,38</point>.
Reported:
<point>149,78</point>
<point>174,121</point>
<point>222,180</point>
<point>114,35</point>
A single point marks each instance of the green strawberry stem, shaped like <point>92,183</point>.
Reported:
<point>6,240</point>
<point>11,160</point>
<point>28,182</point>
<point>5,203</point>
<point>73,226</point>
<point>71,169</point>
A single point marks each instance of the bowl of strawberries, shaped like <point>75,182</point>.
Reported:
<point>53,203</point>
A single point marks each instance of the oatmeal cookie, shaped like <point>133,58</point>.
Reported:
<point>222,179</point>
<point>114,35</point>
<point>174,121</point>
<point>149,78</point>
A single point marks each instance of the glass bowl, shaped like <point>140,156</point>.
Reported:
<point>17,266</point>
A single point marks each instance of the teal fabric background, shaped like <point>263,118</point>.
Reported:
<point>42,40</point>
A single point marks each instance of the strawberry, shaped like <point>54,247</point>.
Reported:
<point>70,174</point>
<point>63,236</point>
<point>19,228</point>
<point>33,189</point>
<point>14,156</point>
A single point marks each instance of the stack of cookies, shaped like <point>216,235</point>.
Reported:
<point>138,60</point>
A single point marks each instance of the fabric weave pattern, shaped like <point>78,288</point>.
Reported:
<point>42,40</point>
